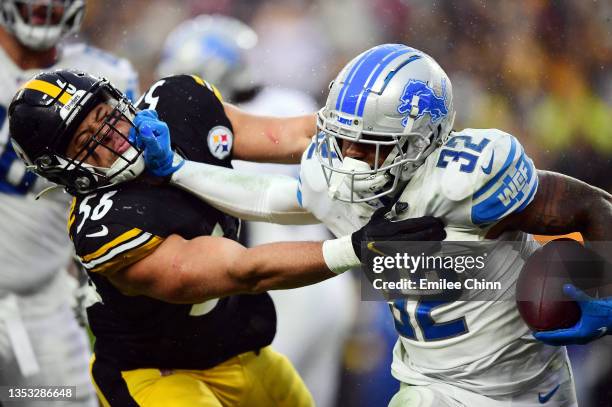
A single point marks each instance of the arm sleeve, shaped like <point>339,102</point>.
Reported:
<point>509,185</point>
<point>249,196</point>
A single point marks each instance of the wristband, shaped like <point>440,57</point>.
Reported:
<point>339,255</point>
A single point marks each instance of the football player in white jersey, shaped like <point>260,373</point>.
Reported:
<point>40,340</point>
<point>385,137</point>
<point>216,47</point>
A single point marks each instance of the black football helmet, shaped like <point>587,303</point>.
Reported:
<point>44,116</point>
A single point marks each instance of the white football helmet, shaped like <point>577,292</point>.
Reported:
<point>213,47</point>
<point>390,95</point>
<point>41,24</point>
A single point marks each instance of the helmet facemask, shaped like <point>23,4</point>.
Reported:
<point>38,24</point>
<point>352,180</point>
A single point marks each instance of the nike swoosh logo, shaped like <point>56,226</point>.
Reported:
<point>544,398</point>
<point>102,232</point>
<point>488,168</point>
<point>602,331</point>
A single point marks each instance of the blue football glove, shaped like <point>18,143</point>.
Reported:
<point>153,136</point>
<point>595,321</point>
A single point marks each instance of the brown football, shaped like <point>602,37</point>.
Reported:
<point>539,289</point>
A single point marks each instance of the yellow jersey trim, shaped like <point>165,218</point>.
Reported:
<point>198,80</point>
<point>126,259</point>
<point>212,87</point>
<point>71,216</point>
<point>115,242</point>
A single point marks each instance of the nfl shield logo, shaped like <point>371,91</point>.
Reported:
<point>220,140</point>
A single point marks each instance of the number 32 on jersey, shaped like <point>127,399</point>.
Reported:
<point>412,315</point>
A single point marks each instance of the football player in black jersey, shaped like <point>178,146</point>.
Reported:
<point>182,317</point>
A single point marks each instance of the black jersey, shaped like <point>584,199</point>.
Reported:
<point>114,228</point>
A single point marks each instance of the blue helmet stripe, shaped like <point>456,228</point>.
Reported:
<point>350,76</point>
<point>383,65</point>
<point>355,86</point>
<point>398,68</point>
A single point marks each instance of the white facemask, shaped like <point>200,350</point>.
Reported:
<point>362,185</point>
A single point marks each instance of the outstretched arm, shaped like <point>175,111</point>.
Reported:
<point>192,271</point>
<point>246,195</point>
<point>270,139</point>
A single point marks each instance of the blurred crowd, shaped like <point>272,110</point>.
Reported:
<point>538,69</point>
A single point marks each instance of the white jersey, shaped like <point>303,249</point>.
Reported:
<point>35,243</point>
<point>478,177</point>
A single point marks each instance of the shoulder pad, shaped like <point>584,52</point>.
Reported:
<point>505,180</point>
<point>470,158</point>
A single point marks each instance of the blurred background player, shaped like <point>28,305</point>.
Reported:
<point>40,340</point>
<point>314,321</point>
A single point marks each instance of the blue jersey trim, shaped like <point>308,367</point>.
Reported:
<point>299,197</point>
<point>311,150</point>
<point>529,197</point>
<point>492,208</point>
<point>501,172</point>
<point>7,158</point>
<point>299,191</point>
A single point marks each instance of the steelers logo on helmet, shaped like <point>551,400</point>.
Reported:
<point>220,140</point>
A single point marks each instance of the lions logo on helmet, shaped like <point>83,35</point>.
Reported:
<point>417,95</point>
